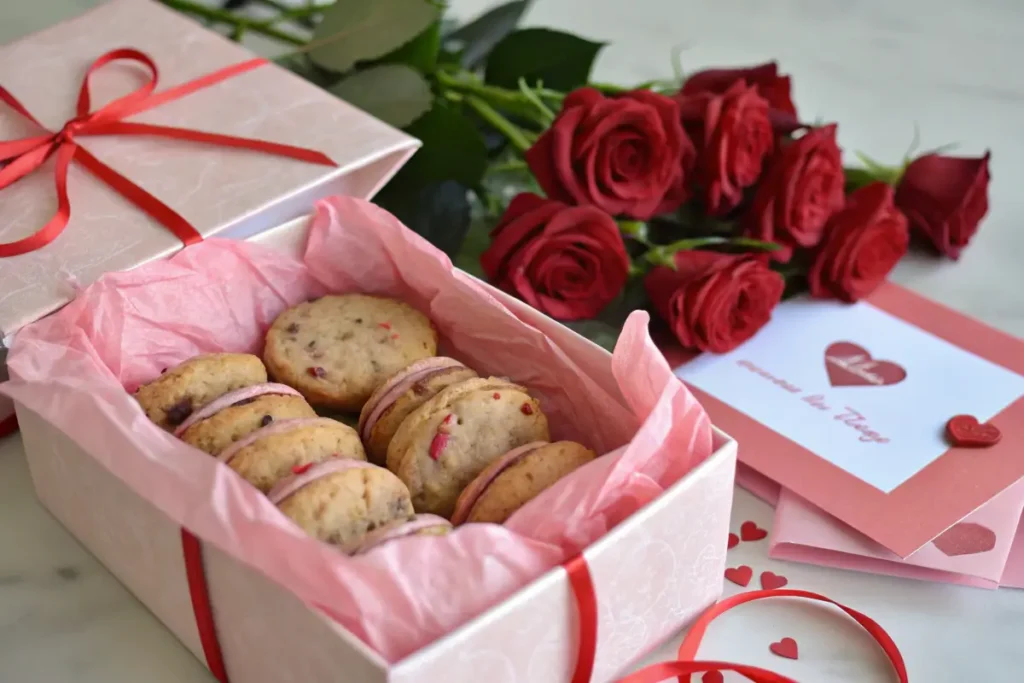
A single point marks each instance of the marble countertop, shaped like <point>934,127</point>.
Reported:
<point>879,67</point>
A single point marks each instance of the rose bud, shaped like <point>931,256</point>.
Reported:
<point>566,261</point>
<point>627,155</point>
<point>712,301</point>
<point>945,198</point>
<point>863,242</point>
<point>799,192</point>
<point>765,77</point>
<point>733,135</point>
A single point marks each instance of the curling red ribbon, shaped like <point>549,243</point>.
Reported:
<point>586,606</point>
<point>8,426</point>
<point>27,154</point>
<point>200,594</point>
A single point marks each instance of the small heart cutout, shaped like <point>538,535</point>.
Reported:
<point>713,677</point>
<point>965,431</point>
<point>785,648</point>
<point>734,541</point>
<point>741,575</point>
<point>771,581</point>
<point>750,531</point>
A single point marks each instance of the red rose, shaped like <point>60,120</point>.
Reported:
<point>863,242</point>
<point>945,198</point>
<point>715,302</point>
<point>626,155</point>
<point>765,77</point>
<point>733,136</point>
<point>566,261</point>
<point>801,189</point>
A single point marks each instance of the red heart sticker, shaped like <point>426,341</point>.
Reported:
<point>740,575</point>
<point>750,531</point>
<point>734,541</point>
<point>713,677</point>
<point>770,581</point>
<point>785,648</point>
<point>965,538</point>
<point>850,365</point>
<point>965,431</point>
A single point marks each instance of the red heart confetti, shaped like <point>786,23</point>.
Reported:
<point>850,365</point>
<point>734,541</point>
<point>301,469</point>
<point>965,431</point>
<point>437,444</point>
<point>713,677</point>
<point>785,648</point>
<point>770,581</point>
<point>526,409</point>
<point>740,575</point>
<point>386,326</point>
<point>750,531</point>
<point>965,538</point>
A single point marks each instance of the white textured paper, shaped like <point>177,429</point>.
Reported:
<point>880,433</point>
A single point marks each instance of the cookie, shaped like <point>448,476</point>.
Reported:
<point>446,442</point>
<point>276,451</point>
<point>407,390</point>
<point>236,414</point>
<point>337,350</point>
<point>516,478</point>
<point>172,397</point>
<point>420,525</point>
<point>341,501</point>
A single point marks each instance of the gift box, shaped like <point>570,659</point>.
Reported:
<point>230,145</point>
<point>647,519</point>
<point>108,297</point>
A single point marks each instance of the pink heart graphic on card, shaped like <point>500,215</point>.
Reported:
<point>850,365</point>
<point>965,538</point>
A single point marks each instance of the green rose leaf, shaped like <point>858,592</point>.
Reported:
<point>393,93</point>
<point>561,60</point>
<point>421,53</point>
<point>453,149</point>
<point>440,212</point>
<point>478,37</point>
<point>358,30</point>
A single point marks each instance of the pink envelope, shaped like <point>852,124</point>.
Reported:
<point>845,406</point>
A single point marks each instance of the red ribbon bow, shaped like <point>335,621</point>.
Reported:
<point>27,154</point>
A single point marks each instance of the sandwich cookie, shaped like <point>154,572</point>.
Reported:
<point>516,478</point>
<point>337,350</point>
<point>227,419</point>
<point>407,390</point>
<point>179,391</point>
<point>420,525</point>
<point>446,442</point>
<point>340,501</point>
<point>271,453</point>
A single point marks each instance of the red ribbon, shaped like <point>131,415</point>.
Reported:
<point>27,154</point>
<point>201,605</point>
<point>586,607</point>
<point>8,426</point>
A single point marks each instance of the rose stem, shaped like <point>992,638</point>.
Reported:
<point>219,16</point>
<point>489,114</point>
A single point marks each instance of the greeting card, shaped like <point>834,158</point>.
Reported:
<point>846,406</point>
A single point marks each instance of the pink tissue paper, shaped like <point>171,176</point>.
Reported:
<point>76,369</point>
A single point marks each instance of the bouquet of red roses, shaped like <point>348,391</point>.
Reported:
<point>721,200</point>
<point>710,191</point>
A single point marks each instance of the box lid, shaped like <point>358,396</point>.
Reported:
<point>218,190</point>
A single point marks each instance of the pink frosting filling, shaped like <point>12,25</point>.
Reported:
<point>289,486</point>
<point>386,395</point>
<point>231,398</point>
<point>471,494</point>
<point>271,429</point>
<point>391,532</point>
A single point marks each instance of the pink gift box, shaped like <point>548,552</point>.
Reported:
<point>220,191</point>
<point>654,571</point>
